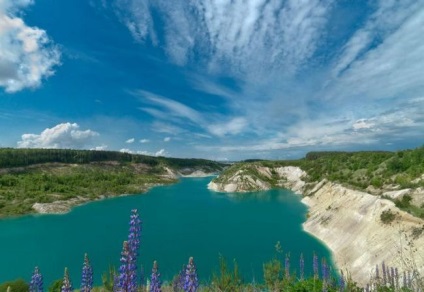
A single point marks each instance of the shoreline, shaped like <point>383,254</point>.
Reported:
<point>347,222</point>
<point>61,207</point>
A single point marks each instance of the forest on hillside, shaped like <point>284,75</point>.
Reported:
<point>29,176</point>
<point>370,171</point>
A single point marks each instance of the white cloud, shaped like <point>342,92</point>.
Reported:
<point>363,124</point>
<point>237,33</point>
<point>27,53</point>
<point>393,68</point>
<point>100,148</point>
<point>233,127</point>
<point>126,150</point>
<point>166,128</point>
<point>130,141</point>
<point>167,139</point>
<point>172,107</point>
<point>143,141</point>
<point>161,152</point>
<point>316,85</point>
<point>65,135</point>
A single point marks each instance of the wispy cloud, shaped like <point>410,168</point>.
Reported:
<point>143,141</point>
<point>386,127</point>
<point>27,54</point>
<point>173,111</point>
<point>130,141</point>
<point>294,84</point>
<point>393,68</point>
<point>169,107</point>
<point>237,33</point>
<point>65,135</point>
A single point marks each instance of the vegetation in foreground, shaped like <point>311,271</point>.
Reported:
<point>278,276</point>
<point>29,176</point>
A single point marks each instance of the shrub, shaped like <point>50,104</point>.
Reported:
<point>18,285</point>
<point>387,216</point>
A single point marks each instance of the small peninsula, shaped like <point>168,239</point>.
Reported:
<point>367,207</point>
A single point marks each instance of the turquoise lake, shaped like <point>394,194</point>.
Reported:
<point>179,221</point>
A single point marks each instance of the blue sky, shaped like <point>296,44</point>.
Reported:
<point>216,79</point>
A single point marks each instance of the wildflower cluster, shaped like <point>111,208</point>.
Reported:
<point>390,277</point>
<point>87,275</point>
<point>155,284</point>
<point>67,285</point>
<point>191,283</point>
<point>36,284</point>
<point>277,277</point>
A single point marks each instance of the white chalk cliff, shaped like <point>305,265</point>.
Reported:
<point>346,220</point>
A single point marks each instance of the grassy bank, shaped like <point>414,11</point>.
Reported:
<point>29,176</point>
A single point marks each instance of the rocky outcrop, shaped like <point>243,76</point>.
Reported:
<point>348,222</point>
<point>241,181</point>
<point>59,207</point>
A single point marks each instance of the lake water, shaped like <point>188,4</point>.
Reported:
<point>179,221</point>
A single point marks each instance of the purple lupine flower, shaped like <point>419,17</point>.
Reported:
<point>302,267</point>
<point>377,273</point>
<point>383,267</point>
<point>36,284</point>
<point>128,268</point>
<point>127,271</point>
<point>409,284</point>
<point>133,246</point>
<point>324,271</point>
<point>115,282</point>
<point>392,277</point>
<point>87,275</point>
<point>315,266</point>
<point>66,285</point>
<point>155,284</point>
<point>191,283</point>
<point>178,283</point>
<point>397,278</point>
<point>287,266</point>
<point>134,233</point>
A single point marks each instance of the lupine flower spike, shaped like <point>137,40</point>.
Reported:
<point>302,267</point>
<point>126,270</point>
<point>133,246</point>
<point>383,268</point>
<point>315,266</point>
<point>324,271</point>
<point>191,283</point>
<point>155,284</point>
<point>134,233</point>
<point>179,280</point>
<point>287,266</point>
<point>36,284</point>
<point>66,285</point>
<point>377,272</point>
<point>87,275</point>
